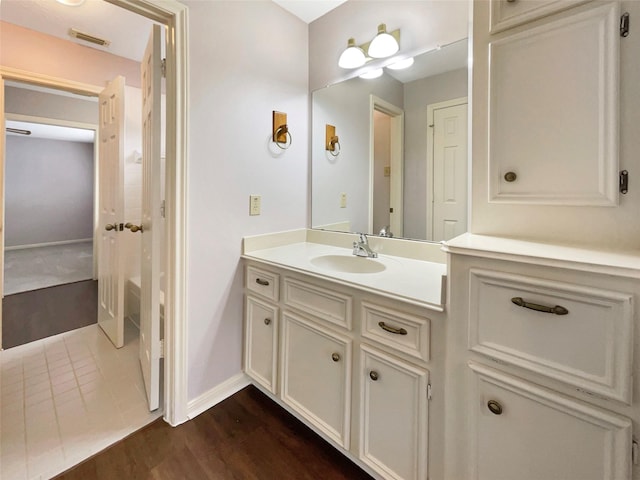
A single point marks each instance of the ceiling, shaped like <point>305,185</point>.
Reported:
<point>127,32</point>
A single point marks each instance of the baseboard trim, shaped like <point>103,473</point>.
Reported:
<point>216,395</point>
<point>49,244</point>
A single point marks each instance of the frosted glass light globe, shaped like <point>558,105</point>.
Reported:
<point>372,74</point>
<point>383,45</point>
<point>402,64</point>
<point>352,57</point>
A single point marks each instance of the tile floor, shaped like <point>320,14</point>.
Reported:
<point>39,267</point>
<point>65,398</point>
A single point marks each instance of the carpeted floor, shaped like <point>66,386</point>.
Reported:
<point>48,311</point>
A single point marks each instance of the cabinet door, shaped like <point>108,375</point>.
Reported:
<point>509,13</point>
<point>520,430</point>
<point>316,375</point>
<point>553,120</point>
<point>393,416</point>
<point>261,337</point>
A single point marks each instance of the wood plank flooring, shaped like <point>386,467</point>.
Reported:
<point>41,313</point>
<point>248,436</point>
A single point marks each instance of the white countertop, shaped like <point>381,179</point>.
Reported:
<point>415,281</point>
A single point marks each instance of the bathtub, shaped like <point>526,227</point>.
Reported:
<point>132,300</point>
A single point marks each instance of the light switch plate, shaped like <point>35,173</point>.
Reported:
<point>254,204</point>
<point>343,200</point>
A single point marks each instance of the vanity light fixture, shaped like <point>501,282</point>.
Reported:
<point>383,45</point>
<point>353,56</point>
<point>402,64</point>
<point>371,74</point>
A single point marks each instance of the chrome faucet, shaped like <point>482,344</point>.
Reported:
<point>362,249</point>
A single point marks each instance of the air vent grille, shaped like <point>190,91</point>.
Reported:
<point>88,38</point>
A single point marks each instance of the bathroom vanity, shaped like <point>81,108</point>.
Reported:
<point>353,347</point>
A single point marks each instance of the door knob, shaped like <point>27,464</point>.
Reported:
<point>108,227</point>
<point>133,228</point>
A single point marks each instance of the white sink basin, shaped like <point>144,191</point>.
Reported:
<point>348,264</point>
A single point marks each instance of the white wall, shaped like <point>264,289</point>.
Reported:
<point>41,104</point>
<point>417,96</point>
<point>48,191</point>
<point>246,59</point>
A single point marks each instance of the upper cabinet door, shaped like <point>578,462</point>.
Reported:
<point>509,13</point>
<point>553,111</point>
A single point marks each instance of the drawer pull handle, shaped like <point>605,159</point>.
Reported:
<point>335,357</point>
<point>557,310</point>
<point>373,375</point>
<point>267,321</point>
<point>387,328</point>
<point>494,407</point>
<point>264,283</point>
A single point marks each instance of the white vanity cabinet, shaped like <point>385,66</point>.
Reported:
<point>353,366</point>
<point>552,101</point>
<point>542,341</point>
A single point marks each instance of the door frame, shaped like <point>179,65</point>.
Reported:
<point>431,108</point>
<point>396,153</point>
<point>174,16</point>
<point>72,124</point>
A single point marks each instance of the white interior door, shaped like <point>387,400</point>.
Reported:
<point>2,150</point>
<point>150,351</point>
<point>449,172</point>
<point>111,211</point>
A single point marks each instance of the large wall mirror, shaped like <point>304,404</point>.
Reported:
<point>401,163</point>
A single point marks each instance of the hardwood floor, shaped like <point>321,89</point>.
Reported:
<point>247,436</point>
<point>41,313</point>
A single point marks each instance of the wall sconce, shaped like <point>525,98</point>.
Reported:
<point>383,45</point>
<point>280,130</point>
<point>332,140</point>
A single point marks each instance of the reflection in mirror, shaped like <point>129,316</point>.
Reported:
<point>402,164</point>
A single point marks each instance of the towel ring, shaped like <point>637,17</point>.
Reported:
<point>282,129</point>
<point>334,141</point>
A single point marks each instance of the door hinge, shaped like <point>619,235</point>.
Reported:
<point>634,452</point>
<point>429,391</point>
<point>162,209</point>
<point>161,348</point>
<point>624,24</point>
<point>624,182</point>
<point>163,67</point>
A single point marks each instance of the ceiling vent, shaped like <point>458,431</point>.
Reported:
<point>88,38</point>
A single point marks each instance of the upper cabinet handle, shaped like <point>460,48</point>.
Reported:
<point>387,328</point>
<point>557,310</point>
<point>259,281</point>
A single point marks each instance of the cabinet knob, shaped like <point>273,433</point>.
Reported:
<point>335,357</point>
<point>264,283</point>
<point>374,375</point>
<point>267,321</point>
<point>494,407</point>
<point>511,1</point>
<point>510,176</point>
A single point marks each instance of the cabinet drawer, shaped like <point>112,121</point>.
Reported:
<point>520,430</point>
<point>509,13</point>
<point>407,333</point>
<point>321,302</point>
<point>263,282</point>
<point>261,341</point>
<point>589,347</point>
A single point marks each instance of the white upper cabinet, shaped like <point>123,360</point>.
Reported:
<point>553,109</point>
<point>509,13</point>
